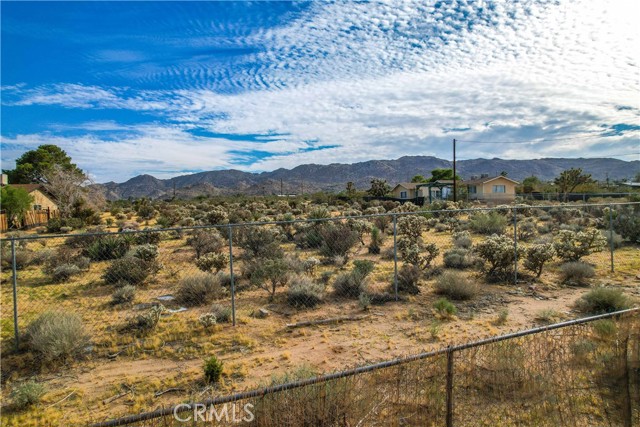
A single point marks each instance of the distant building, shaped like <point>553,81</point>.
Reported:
<point>423,191</point>
<point>491,189</point>
<point>41,199</point>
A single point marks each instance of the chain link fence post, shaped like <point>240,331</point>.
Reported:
<point>14,270</point>
<point>233,286</point>
<point>395,255</point>
<point>449,385</point>
<point>611,235</point>
<point>515,246</point>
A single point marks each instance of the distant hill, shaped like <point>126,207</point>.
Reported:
<point>333,177</point>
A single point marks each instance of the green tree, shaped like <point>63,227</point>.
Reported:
<point>379,188</point>
<point>530,184</point>
<point>15,202</point>
<point>570,179</point>
<point>351,189</point>
<point>441,174</point>
<point>418,179</point>
<point>34,166</point>
<point>504,173</point>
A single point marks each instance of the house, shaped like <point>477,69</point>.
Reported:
<point>491,189</point>
<point>42,201</point>
<point>421,191</point>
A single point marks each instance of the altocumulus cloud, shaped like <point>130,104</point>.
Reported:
<point>347,81</point>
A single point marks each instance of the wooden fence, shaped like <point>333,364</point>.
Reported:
<point>31,219</point>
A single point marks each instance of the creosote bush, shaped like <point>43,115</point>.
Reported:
<point>353,283</point>
<point>304,292</point>
<point>337,240</point>
<point>212,370</point>
<point>57,336</point>
<point>199,288</point>
<point>408,277</point>
<point>455,286</point>
<point>123,295</point>
<point>459,258</point>
<point>577,273</point>
<point>488,223</point>
<point>603,300</point>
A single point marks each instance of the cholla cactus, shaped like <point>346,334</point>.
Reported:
<point>208,320</point>
<point>411,226</point>
<point>573,245</point>
<point>499,253</point>
<point>415,253</point>
<point>212,262</point>
<point>537,256</point>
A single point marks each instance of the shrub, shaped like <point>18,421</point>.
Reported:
<point>57,336</point>
<point>129,270</point>
<point>488,223</point>
<point>216,215</point>
<point>223,314</point>
<point>199,288</point>
<point>627,224</point>
<point>408,277</point>
<point>537,256</point>
<point>108,247</point>
<point>146,252</point>
<point>411,226</point>
<point>205,241</point>
<point>363,267</point>
<point>416,253</point>
<point>260,242</point>
<point>502,317</point>
<point>573,245</point>
<point>24,258</point>
<point>376,241</point>
<point>603,300</point>
<point>548,316</point>
<point>455,286</point>
<point>458,258</point>
<point>444,307</point>
<point>526,230</point>
<point>499,253</point>
<point>613,239</point>
<point>269,274</point>
<point>304,292</point>
<point>208,320</point>
<point>144,323</point>
<point>123,295</point>
<point>212,370</point>
<point>26,394</point>
<point>577,273</point>
<point>352,284</point>
<point>364,301</point>
<point>462,239</point>
<point>212,262</point>
<point>337,240</point>
<point>64,272</point>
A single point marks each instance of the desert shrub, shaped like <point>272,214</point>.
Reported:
<point>223,314</point>
<point>603,300</point>
<point>498,252</point>
<point>537,256</point>
<point>573,245</point>
<point>408,277</point>
<point>123,295</point>
<point>216,215</point>
<point>363,267</point>
<point>199,288</point>
<point>144,323</point>
<point>462,239</point>
<point>208,320</point>
<point>130,270</point>
<point>212,370</point>
<point>455,286</point>
<point>304,292</point>
<point>381,222</point>
<point>444,307</point>
<point>108,247</point>
<point>488,223</point>
<point>319,213</point>
<point>627,224</point>
<point>309,265</point>
<point>411,226</point>
<point>376,241</point>
<point>26,393</point>
<point>364,301</point>
<point>613,239</point>
<point>40,257</point>
<point>548,316</point>
<point>64,272</point>
<point>361,227</point>
<point>577,273</point>
<point>353,283</point>
<point>458,258</point>
<point>57,336</point>
<point>148,237</point>
<point>526,230</point>
<point>337,240</point>
<point>212,262</point>
<point>146,252</point>
<point>206,241</point>
<point>605,328</point>
<point>260,242</point>
<point>269,274</point>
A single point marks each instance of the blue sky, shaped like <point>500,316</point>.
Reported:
<point>169,88</point>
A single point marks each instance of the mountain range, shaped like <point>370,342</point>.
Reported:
<point>334,177</point>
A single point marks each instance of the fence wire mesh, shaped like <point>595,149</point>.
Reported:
<point>175,296</point>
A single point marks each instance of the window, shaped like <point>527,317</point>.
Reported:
<point>403,194</point>
<point>499,189</point>
<point>472,189</point>
<point>37,207</point>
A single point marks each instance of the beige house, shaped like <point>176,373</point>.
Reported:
<point>491,189</point>
<point>438,190</point>
<point>41,200</point>
<point>407,190</point>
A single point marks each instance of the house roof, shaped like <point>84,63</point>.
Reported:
<point>29,188</point>
<point>487,179</point>
<point>408,185</point>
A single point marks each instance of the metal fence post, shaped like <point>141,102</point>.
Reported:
<point>14,269</point>
<point>449,418</point>
<point>395,255</point>
<point>515,246</point>
<point>611,235</point>
<point>233,287</point>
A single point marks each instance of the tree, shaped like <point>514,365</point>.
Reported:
<point>504,173</point>
<point>351,189</point>
<point>418,179</point>
<point>15,202</point>
<point>34,166</point>
<point>569,179</point>
<point>379,188</point>
<point>530,184</point>
<point>442,174</point>
<point>71,191</point>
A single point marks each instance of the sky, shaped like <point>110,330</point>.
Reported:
<point>172,88</point>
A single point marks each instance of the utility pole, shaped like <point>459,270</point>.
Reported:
<point>455,184</point>
<point>281,191</point>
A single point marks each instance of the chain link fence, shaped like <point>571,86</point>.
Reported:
<point>166,293</point>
